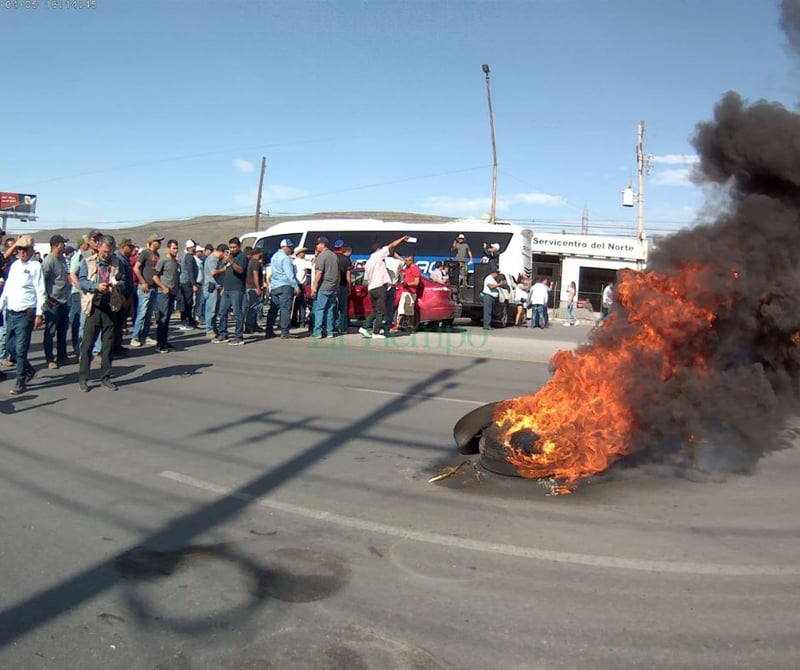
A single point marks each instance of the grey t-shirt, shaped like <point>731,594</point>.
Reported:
<point>169,271</point>
<point>329,264</point>
<point>461,251</point>
<point>56,278</point>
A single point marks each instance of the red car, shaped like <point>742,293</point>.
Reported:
<point>436,304</point>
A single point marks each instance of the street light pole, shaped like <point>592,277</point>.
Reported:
<point>494,146</point>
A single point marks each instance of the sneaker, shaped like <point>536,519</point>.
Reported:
<point>269,335</point>
<point>185,326</point>
<point>17,390</point>
<point>219,340</point>
<point>150,342</point>
<point>111,386</point>
<point>83,386</point>
<point>30,375</point>
<point>162,350</point>
<point>365,333</point>
<point>235,343</point>
<point>378,336</point>
<point>566,324</point>
<point>52,365</point>
<point>135,344</point>
<point>211,336</point>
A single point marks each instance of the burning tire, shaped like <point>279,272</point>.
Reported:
<point>493,454</point>
<point>469,428</point>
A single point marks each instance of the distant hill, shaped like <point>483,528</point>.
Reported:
<point>216,229</point>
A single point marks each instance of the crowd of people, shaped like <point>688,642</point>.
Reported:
<point>91,295</point>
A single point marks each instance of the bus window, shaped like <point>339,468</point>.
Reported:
<point>268,246</point>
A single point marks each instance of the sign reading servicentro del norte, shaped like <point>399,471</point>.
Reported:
<point>628,248</point>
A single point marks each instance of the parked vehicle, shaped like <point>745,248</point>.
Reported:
<point>433,243</point>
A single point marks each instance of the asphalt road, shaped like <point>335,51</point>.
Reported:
<point>268,506</point>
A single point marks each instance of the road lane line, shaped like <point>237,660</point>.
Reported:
<point>421,397</point>
<point>646,565</point>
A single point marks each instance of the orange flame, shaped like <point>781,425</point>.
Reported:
<point>582,415</point>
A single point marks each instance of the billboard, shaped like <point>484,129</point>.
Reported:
<point>22,203</point>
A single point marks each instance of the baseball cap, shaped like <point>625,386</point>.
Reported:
<point>126,241</point>
<point>155,237</point>
<point>286,242</point>
<point>189,243</point>
<point>460,236</point>
<point>58,239</point>
<point>495,245</point>
<point>338,244</point>
<point>323,240</point>
<point>69,249</point>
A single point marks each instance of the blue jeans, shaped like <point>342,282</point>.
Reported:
<point>74,326</point>
<point>251,315</point>
<point>570,311</point>
<point>342,304</point>
<point>231,299</point>
<point>391,296</point>
<point>56,324</point>
<point>280,298</point>
<point>165,303</point>
<point>488,309</point>
<point>211,304</point>
<point>538,316</point>
<point>144,315</point>
<point>20,328</point>
<point>324,304</point>
<point>4,353</point>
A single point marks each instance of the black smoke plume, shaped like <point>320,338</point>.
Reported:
<point>737,409</point>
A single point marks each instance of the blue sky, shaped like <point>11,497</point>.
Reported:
<point>137,110</point>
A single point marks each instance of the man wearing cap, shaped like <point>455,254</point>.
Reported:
<point>23,299</point>
<point>283,287</point>
<point>233,280</point>
<point>56,309</point>
<point>144,269</point>
<point>491,255</point>
<point>345,285</point>
<point>189,286</point>
<point>461,252</point>
<point>302,272</point>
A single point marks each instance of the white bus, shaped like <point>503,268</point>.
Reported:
<point>434,241</point>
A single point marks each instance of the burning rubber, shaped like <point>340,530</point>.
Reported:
<point>699,363</point>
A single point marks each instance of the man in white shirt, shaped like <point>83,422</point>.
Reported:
<point>540,293</point>
<point>24,299</point>
<point>490,294</point>
<point>378,279</point>
<point>303,269</point>
<point>608,301</point>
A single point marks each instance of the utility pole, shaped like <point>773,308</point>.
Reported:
<point>260,187</point>
<point>494,146</point>
<point>642,165</point>
<point>585,220</point>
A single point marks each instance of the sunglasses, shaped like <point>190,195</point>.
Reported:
<point>23,248</point>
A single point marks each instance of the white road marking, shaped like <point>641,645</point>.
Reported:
<point>675,567</point>
<point>433,397</point>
